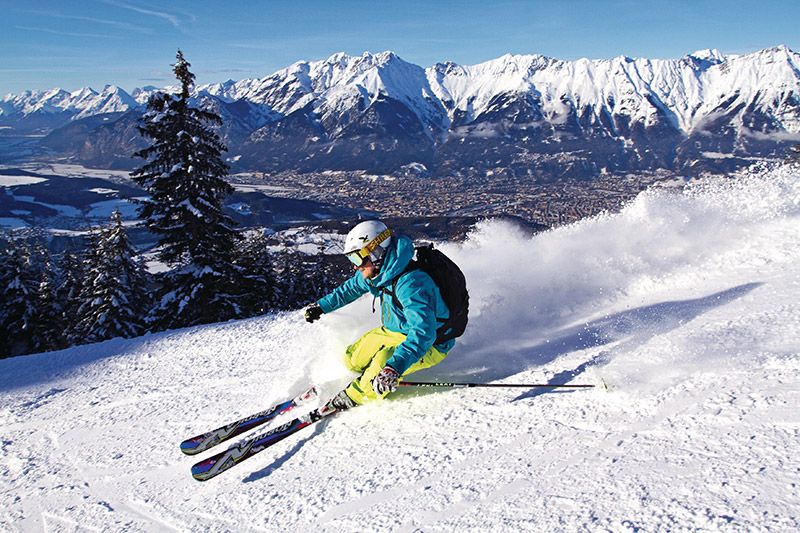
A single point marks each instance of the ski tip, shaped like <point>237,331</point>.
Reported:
<point>202,470</point>
<point>191,447</point>
<point>201,477</point>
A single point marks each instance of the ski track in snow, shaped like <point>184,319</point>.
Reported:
<point>686,305</point>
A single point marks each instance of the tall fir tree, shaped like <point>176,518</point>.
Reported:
<point>114,298</point>
<point>301,278</point>
<point>47,328</point>
<point>69,287</point>
<point>20,277</point>
<point>184,179</point>
<point>257,280</point>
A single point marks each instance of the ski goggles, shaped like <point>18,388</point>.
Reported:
<point>357,257</point>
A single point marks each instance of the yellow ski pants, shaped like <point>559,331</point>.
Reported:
<point>368,355</point>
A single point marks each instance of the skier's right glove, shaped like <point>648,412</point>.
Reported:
<point>385,381</point>
<point>313,312</point>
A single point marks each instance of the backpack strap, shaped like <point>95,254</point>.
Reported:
<point>412,265</point>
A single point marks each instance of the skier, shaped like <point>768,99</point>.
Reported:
<point>405,342</point>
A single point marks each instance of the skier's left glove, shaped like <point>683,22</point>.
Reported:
<point>385,381</point>
<point>313,312</point>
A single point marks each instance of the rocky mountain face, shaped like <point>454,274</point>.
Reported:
<point>525,115</point>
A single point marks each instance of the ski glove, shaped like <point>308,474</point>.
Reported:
<point>385,381</point>
<point>313,312</point>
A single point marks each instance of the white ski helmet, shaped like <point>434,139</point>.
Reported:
<point>367,239</point>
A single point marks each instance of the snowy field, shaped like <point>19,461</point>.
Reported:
<point>13,181</point>
<point>75,171</point>
<point>686,304</point>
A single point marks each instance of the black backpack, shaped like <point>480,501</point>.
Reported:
<point>452,284</point>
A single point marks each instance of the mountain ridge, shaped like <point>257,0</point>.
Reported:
<point>517,113</point>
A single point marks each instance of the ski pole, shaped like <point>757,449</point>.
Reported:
<point>504,385</point>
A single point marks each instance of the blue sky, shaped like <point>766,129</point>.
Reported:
<point>131,43</point>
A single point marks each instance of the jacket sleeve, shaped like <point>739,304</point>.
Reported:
<point>347,292</point>
<point>417,298</point>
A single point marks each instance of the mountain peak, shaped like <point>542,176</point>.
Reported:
<point>114,89</point>
<point>781,50</point>
<point>711,55</point>
<point>387,57</point>
<point>343,59</point>
<point>338,57</point>
<point>83,92</point>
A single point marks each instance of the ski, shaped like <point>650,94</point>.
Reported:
<point>203,442</point>
<point>216,464</point>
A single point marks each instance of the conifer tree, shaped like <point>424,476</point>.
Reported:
<point>184,178</point>
<point>114,299</point>
<point>47,324</point>
<point>69,287</point>
<point>6,276</point>
<point>257,280</point>
<point>301,278</point>
<point>20,279</point>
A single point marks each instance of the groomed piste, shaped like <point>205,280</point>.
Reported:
<point>686,304</point>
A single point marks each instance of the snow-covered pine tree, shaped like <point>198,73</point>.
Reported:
<point>114,300</point>
<point>19,281</point>
<point>6,276</point>
<point>69,286</point>
<point>329,271</point>
<point>47,329</point>
<point>302,278</point>
<point>184,179</point>
<point>257,278</point>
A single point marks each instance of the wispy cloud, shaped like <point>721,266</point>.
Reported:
<point>71,34</point>
<point>114,23</point>
<point>172,19</point>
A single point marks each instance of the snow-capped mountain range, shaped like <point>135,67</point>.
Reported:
<point>76,105</point>
<point>522,114</point>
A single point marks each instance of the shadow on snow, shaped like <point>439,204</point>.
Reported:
<point>630,328</point>
<point>280,461</point>
<point>502,358</point>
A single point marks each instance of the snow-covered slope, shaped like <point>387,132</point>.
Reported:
<point>685,303</point>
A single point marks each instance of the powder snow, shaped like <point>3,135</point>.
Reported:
<point>684,303</point>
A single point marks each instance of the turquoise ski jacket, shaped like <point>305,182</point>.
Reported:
<point>417,293</point>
